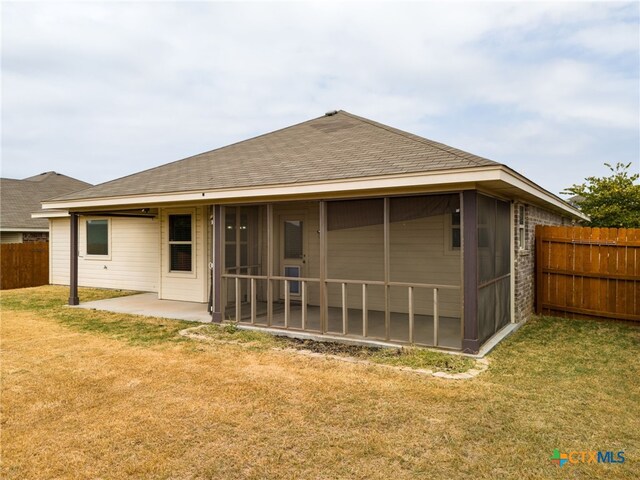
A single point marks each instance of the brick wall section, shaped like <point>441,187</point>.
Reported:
<point>525,257</point>
<point>30,237</point>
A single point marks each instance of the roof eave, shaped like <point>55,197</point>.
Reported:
<point>23,229</point>
<point>471,176</point>
<point>50,214</point>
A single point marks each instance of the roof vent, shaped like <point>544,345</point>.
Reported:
<point>331,113</point>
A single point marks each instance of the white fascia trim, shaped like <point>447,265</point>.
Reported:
<point>50,214</point>
<point>522,183</point>
<point>369,183</point>
<point>24,230</point>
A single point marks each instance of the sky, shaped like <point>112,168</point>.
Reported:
<point>101,90</point>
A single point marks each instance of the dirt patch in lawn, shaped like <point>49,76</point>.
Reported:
<point>419,360</point>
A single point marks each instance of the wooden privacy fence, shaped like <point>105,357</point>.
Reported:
<point>24,265</point>
<point>588,271</point>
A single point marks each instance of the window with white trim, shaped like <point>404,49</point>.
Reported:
<point>98,237</point>
<point>452,232</point>
<point>456,239</point>
<point>180,243</point>
<point>522,230</point>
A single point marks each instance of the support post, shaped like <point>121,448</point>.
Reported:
<point>270,248</point>
<point>365,313</point>
<point>253,301</point>
<point>73,264</point>
<point>436,319</point>
<point>411,315</point>
<point>287,303</point>
<point>323,266</point>
<point>387,270</point>
<point>303,313</point>
<point>216,257</point>
<point>470,340</point>
<point>345,311</point>
<point>238,300</point>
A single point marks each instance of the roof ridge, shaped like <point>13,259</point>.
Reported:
<point>418,139</point>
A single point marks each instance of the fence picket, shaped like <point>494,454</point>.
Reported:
<point>24,265</point>
<point>588,271</point>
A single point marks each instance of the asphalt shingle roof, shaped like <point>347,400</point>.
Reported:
<point>331,147</point>
<point>20,198</point>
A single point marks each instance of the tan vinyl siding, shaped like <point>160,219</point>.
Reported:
<point>418,254</point>
<point>188,287</point>
<point>309,213</point>
<point>132,263</point>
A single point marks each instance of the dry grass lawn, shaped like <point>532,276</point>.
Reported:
<point>89,394</point>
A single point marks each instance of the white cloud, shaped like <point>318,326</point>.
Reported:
<point>102,90</point>
<point>610,39</point>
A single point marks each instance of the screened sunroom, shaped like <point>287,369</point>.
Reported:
<point>389,269</point>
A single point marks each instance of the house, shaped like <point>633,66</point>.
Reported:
<point>340,227</point>
<point>20,198</point>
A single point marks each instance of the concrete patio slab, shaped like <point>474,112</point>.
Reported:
<point>147,304</point>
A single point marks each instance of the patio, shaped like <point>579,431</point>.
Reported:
<point>148,305</point>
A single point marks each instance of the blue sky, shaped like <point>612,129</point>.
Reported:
<point>102,90</point>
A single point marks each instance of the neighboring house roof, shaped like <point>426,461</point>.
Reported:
<point>328,155</point>
<point>332,147</point>
<point>20,198</point>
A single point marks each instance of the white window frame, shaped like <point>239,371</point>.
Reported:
<point>90,256</point>
<point>522,227</point>
<point>448,234</point>
<point>181,273</point>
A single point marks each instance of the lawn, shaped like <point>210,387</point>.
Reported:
<point>88,394</point>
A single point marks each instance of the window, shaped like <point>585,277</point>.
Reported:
<point>455,230</point>
<point>180,243</point>
<point>452,232</point>
<point>98,237</point>
<point>293,239</point>
<point>522,231</point>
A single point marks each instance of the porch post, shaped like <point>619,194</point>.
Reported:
<point>73,264</point>
<point>270,252</point>
<point>216,310</point>
<point>323,266</point>
<point>470,341</point>
<point>387,268</point>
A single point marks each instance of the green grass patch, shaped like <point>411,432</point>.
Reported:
<point>415,357</point>
<point>134,329</point>
<point>51,302</point>
<point>52,296</point>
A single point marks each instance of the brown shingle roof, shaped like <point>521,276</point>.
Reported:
<point>332,147</point>
<point>20,198</point>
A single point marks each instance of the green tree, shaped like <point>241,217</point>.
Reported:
<point>612,201</point>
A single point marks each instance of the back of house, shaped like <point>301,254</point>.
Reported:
<point>336,228</point>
